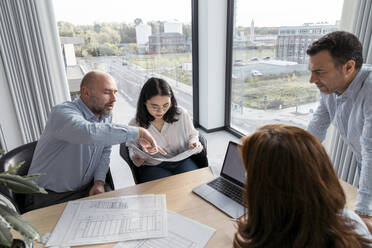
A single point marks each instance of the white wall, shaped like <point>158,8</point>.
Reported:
<point>212,57</point>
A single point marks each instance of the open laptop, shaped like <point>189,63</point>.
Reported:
<point>225,191</point>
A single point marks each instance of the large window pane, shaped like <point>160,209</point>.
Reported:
<point>270,77</point>
<point>132,41</point>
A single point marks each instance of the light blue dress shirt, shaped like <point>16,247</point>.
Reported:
<point>75,147</point>
<point>351,113</point>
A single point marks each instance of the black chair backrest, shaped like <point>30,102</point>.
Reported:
<point>12,158</point>
<point>25,153</point>
<point>17,155</point>
<point>200,159</point>
<point>124,153</point>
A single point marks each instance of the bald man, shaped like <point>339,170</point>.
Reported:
<point>74,148</point>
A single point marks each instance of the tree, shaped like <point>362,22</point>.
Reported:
<point>66,29</point>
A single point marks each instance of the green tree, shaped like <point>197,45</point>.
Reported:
<point>66,29</point>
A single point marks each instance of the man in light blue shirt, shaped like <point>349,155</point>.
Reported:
<point>346,101</point>
<point>74,148</point>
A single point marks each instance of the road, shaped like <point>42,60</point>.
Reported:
<point>266,68</point>
<point>130,79</point>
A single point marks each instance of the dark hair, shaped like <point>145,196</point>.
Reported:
<point>343,46</point>
<point>292,195</point>
<point>154,87</point>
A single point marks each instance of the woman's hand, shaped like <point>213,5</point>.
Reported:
<point>138,160</point>
<point>193,145</point>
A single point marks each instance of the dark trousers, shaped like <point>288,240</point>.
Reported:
<point>148,173</point>
<point>35,201</point>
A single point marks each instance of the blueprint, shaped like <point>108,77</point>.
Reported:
<point>182,233</point>
<point>86,222</point>
<point>157,159</point>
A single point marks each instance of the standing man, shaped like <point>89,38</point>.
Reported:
<point>346,101</point>
<point>74,148</point>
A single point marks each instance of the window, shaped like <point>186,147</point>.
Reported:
<point>132,41</point>
<point>279,91</point>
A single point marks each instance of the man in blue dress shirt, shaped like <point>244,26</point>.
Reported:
<point>74,148</point>
<point>346,101</point>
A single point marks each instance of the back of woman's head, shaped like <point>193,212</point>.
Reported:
<point>155,87</point>
<point>292,194</point>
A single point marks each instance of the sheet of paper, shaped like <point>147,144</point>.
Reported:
<point>86,222</point>
<point>157,159</point>
<point>182,233</point>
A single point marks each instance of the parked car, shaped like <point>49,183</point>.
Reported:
<point>240,63</point>
<point>124,63</point>
<point>253,59</point>
<point>256,73</point>
<point>267,58</point>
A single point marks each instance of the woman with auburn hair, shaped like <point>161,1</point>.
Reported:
<point>292,195</point>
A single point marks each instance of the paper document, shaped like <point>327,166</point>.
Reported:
<point>182,233</point>
<point>158,158</point>
<point>86,222</point>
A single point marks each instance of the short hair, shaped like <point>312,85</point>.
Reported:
<point>342,46</point>
<point>154,87</point>
<point>292,195</point>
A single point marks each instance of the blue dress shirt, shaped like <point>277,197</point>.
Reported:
<point>351,113</point>
<point>75,147</point>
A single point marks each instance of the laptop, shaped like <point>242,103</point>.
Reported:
<point>226,191</point>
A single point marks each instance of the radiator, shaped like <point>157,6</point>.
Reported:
<point>344,160</point>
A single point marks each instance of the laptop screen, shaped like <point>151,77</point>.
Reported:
<point>233,167</point>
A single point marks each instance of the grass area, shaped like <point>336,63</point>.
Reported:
<point>274,93</point>
<point>247,54</point>
<point>160,61</point>
<point>181,76</point>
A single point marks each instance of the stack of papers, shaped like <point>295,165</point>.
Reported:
<point>87,222</point>
<point>140,220</point>
<point>182,233</point>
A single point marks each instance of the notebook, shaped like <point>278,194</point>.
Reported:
<point>226,191</point>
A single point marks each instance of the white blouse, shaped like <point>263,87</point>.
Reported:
<point>174,138</point>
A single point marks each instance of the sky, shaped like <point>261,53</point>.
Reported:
<point>267,13</point>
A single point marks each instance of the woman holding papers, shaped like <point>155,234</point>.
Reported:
<point>171,127</point>
<point>292,195</point>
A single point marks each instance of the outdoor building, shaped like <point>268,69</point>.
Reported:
<point>292,41</point>
<point>167,43</point>
<point>143,31</point>
<point>173,27</point>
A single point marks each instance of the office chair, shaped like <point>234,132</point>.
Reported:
<point>20,154</point>
<point>200,159</point>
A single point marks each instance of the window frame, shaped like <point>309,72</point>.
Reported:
<point>195,60</point>
<point>228,72</point>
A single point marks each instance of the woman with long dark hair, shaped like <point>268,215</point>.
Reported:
<point>171,127</point>
<point>292,195</point>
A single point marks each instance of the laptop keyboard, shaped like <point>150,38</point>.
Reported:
<point>228,189</point>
